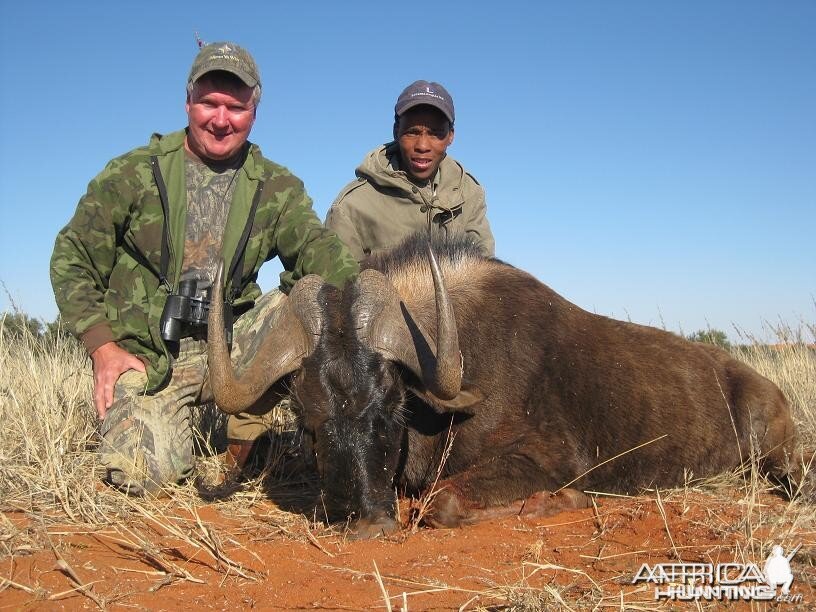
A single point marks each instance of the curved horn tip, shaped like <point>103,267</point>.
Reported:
<point>219,273</point>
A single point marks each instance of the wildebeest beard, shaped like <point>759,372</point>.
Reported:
<point>351,401</point>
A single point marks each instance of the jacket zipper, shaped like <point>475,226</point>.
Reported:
<point>166,246</point>
<point>166,250</point>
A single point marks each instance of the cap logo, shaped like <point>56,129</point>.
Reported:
<point>225,53</point>
<point>428,93</point>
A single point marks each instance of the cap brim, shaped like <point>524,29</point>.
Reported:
<point>248,80</point>
<point>414,103</point>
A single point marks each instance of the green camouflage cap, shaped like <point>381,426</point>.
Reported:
<point>225,56</point>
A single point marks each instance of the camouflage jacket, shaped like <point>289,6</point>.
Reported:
<point>106,261</point>
<point>382,207</point>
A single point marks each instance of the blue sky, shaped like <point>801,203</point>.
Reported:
<point>652,161</point>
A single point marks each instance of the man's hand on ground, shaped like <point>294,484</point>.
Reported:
<point>109,363</point>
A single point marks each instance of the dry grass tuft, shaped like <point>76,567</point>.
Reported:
<point>48,434</point>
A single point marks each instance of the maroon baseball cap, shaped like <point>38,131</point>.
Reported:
<point>425,92</point>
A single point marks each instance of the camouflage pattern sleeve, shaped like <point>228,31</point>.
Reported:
<point>304,245</point>
<point>84,255</point>
<point>338,221</point>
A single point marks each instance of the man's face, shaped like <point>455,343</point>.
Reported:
<point>424,134</point>
<point>220,117</point>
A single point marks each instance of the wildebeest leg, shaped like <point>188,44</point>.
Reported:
<point>507,485</point>
<point>452,509</point>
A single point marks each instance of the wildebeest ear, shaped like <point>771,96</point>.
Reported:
<point>465,401</point>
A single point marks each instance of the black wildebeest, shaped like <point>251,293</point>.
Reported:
<point>535,393</point>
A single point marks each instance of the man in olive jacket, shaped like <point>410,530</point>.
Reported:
<point>166,213</point>
<point>409,184</point>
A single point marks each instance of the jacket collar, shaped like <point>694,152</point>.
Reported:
<point>381,167</point>
<point>168,144</point>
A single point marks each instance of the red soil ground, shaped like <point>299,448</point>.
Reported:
<point>581,559</point>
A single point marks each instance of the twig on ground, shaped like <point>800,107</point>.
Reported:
<point>384,592</point>
<point>67,570</point>
<point>317,543</point>
<point>5,583</point>
<point>665,518</point>
<point>153,556</point>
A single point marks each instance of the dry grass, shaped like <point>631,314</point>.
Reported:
<point>46,443</point>
<point>791,364</point>
<point>49,473</point>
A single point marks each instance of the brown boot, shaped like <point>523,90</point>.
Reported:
<point>247,458</point>
<point>227,482</point>
<point>237,455</point>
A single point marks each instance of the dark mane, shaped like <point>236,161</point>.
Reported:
<point>415,248</point>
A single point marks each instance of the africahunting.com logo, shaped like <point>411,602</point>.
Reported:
<point>723,581</point>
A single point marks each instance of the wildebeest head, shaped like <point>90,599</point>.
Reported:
<point>351,400</point>
<point>345,348</point>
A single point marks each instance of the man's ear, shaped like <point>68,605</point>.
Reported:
<point>450,136</point>
<point>396,129</point>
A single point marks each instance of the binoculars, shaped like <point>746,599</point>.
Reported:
<point>185,314</point>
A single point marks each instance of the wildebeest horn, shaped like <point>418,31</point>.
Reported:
<point>276,351</point>
<point>392,330</point>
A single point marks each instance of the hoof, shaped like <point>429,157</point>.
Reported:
<point>369,529</point>
<point>448,509</point>
<point>544,503</point>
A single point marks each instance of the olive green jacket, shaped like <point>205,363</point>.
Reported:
<point>105,267</point>
<point>382,207</point>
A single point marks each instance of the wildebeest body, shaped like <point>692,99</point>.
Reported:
<point>549,393</point>
<point>565,389</point>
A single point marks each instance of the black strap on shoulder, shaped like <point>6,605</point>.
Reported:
<point>237,265</point>
<point>165,243</point>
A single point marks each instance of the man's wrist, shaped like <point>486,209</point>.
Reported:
<point>96,336</point>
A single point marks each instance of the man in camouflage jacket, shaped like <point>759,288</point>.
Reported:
<point>411,184</point>
<point>167,212</point>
